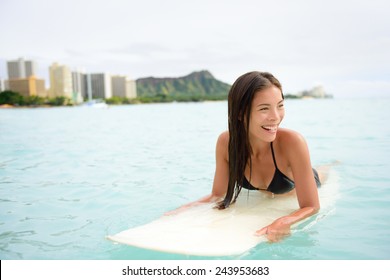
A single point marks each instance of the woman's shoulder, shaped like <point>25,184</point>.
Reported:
<point>289,138</point>
<point>293,147</point>
<point>223,138</point>
<point>223,144</point>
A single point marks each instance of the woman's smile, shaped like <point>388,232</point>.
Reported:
<point>270,128</point>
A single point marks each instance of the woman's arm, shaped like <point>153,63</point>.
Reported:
<point>280,228</point>
<point>221,176</point>
<point>298,157</point>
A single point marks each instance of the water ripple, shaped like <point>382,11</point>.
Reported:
<point>65,232</point>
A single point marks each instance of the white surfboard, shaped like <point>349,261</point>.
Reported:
<point>205,231</point>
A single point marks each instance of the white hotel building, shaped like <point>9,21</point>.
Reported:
<point>122,86</point>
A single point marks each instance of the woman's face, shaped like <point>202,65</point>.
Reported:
<point>267,113</point>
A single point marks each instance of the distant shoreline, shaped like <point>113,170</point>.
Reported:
<point>10,106</point>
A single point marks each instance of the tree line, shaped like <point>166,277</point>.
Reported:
<point>16,99</point>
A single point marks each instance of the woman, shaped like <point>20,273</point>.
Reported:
<point>258,155</point>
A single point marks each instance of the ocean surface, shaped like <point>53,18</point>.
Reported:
<point>71,176</point>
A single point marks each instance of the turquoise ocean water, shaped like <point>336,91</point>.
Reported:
<point>71,176</point>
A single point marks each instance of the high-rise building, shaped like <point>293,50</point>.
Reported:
<point>122,86</point>
<point>19,69</point>
<point>31,86</point>
<point>78,84</point>
<point>98,86</point>
<point>30,68</point>
<point>60,81</point>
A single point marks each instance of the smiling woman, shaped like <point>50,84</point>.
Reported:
<point>258,155</point>
<point>267,113</point>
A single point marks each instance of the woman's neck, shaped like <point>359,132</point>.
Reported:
<point>260,148</point>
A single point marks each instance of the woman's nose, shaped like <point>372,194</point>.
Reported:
<point>273,115</point>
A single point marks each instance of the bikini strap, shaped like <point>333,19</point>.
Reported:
<point>273,155</point>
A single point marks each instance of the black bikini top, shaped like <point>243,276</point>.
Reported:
<point>280,183</point>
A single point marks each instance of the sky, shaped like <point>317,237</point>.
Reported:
<point>343,45</point>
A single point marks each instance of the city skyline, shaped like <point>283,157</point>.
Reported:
<point>341,45</point>
<point>76,85</point>
<point>16,68</point>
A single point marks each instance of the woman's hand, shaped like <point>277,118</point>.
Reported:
<point>276,231</point>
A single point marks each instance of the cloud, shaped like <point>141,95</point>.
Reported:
<point>360,88</point>
<point>302,42</point>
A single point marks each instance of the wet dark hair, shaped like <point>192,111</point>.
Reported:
<point>240,99</point>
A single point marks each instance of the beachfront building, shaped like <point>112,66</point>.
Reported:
<point>31,86</point>
<point>20,68</point>
<point>316,92</point>
<point>2,85</point>
<point>78,86</point>
<point>98,86</point>
<point>60,81</point>
<point>22,78</point>
<point>123,86</point>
